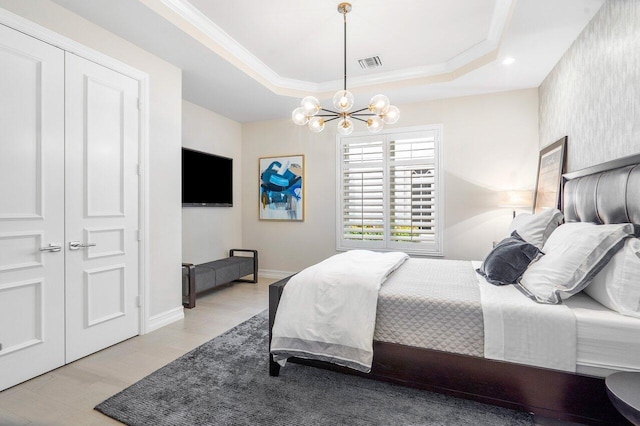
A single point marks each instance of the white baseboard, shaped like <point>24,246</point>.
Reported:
<point>272,273</point>
<point>158,321</point>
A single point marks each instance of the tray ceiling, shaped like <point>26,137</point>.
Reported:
<point>251,60</point>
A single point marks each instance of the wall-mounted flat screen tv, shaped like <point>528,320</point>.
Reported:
<point>207,179</point>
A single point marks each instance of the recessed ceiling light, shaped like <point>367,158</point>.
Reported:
<point>508,60</point>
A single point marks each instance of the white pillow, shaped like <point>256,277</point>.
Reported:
<point>536,228</point>
<point>573,255</point>
<point>617,286</point>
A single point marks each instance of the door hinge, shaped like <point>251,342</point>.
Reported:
<point>139,235</point>
<point>139,169</point>
<point>138,301</point>
<point>139,103</point>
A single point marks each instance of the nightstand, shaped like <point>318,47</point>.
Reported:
<point>623,389</point>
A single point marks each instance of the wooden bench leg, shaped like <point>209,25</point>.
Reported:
<point>191,288</point>
<point>255,264</point>
<point>255,267</point>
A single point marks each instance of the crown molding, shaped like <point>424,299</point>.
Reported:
<point>227,47</point>
<point>200,21</point>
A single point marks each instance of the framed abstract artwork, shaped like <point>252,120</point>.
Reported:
<point>282,188</point>
<point>551,166</point>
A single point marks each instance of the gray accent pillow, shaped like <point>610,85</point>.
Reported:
<point>536,228</point>
<point>574,254</point>
<point>508,260</point>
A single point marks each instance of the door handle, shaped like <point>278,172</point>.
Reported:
<point>77,245</point>
<point>53,247</point>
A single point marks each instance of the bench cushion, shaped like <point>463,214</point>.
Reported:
<point>211,274</point>
<point>205,278</point>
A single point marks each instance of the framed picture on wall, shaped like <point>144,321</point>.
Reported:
<point>551,166</point>
<point>282,188</point>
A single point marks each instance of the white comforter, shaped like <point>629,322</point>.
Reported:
<point>328,311</point>
<point>517,329</point>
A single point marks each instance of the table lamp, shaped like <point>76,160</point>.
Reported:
<point>516,199</point>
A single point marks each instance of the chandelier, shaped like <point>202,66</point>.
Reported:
<point>378,113</point>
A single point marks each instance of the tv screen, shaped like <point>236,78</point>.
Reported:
<point>206,180</point>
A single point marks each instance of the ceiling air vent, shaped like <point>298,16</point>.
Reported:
<point>369,63</point>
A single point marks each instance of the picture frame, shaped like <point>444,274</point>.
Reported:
<point>281,188</point>
<point>551,166</point>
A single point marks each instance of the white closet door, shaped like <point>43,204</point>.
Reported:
<point>31,207</point>
<point>101,207</point>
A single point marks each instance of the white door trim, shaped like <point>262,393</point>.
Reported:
<point>39,32</point>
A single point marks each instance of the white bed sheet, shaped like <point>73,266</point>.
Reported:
<point>517,329</point>
<point>327,311</point>
<point>606,340</point>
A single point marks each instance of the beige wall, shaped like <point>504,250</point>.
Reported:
<point>490,144</point>
<point>164,140</point>
<point>209,232</point>
<point>290,246</point>
<point>592,94</point>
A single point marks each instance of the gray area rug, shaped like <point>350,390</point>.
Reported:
<point>226,382</point>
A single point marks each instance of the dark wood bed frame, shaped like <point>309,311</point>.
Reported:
<point>543,392</point>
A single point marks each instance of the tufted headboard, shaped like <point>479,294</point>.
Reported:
<point>606,193</point>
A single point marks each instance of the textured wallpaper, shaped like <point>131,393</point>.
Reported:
<point>593,93</point>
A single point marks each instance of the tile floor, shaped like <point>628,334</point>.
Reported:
<point>67,395</point>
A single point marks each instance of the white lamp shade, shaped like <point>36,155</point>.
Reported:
<point>516,198</point>
<point>316,124</point>
<point>299,117</point>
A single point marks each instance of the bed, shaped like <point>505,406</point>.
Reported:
<point>606,340</point>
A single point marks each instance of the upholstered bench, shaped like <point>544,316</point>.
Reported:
<point>198,278</point>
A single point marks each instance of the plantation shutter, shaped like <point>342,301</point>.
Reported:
<point>388,191</point>
<point>362,192</point>
<point>412,191</point>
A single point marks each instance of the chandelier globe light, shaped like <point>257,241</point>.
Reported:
<point>378,113</point>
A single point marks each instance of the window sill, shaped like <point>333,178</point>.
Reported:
<point>413,253</point>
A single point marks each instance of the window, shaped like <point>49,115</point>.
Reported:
<point>389,191</point>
